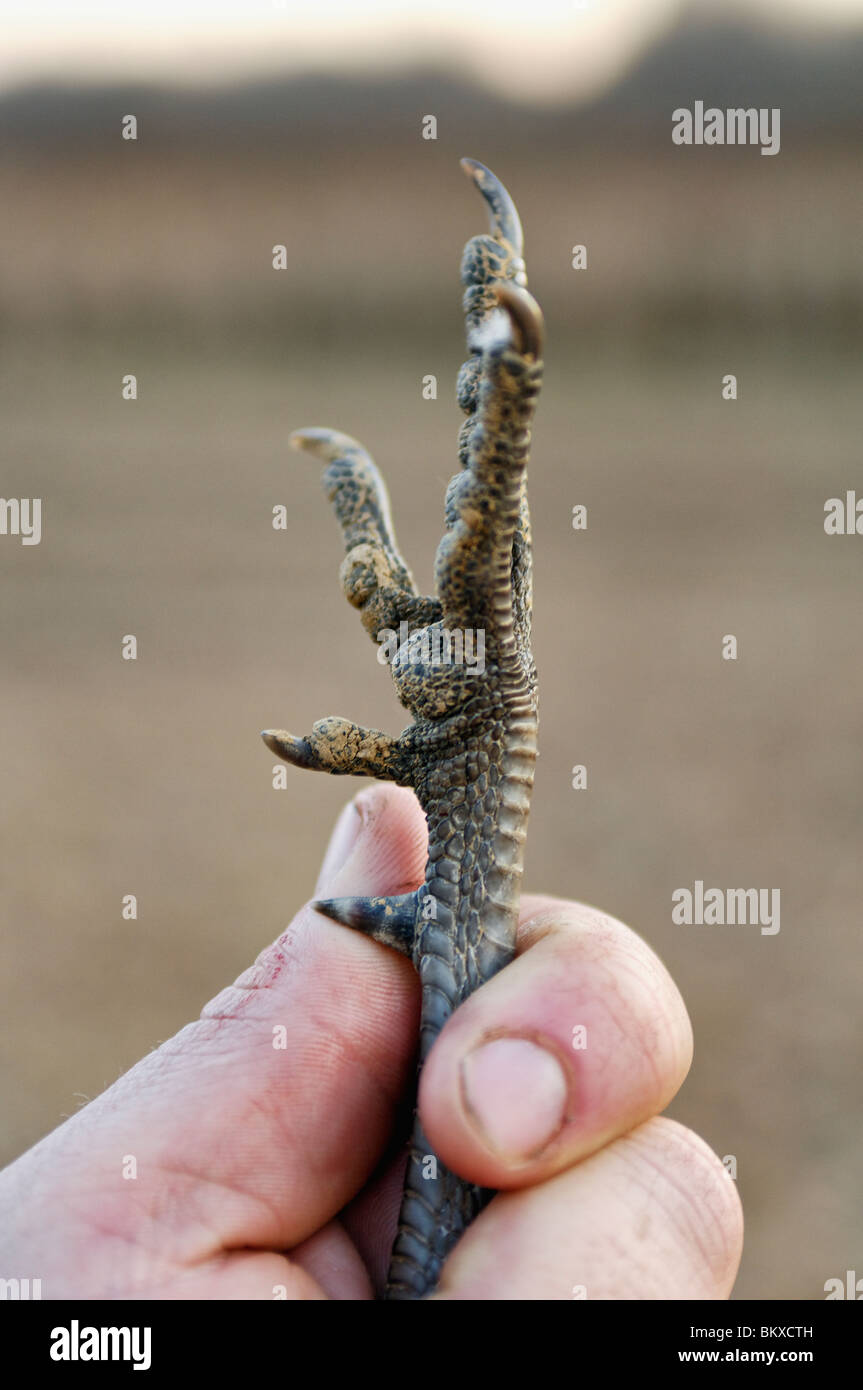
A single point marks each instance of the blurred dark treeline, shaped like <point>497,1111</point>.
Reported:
<point>173,233</point>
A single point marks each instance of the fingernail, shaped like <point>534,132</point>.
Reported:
<point>344,837</point>
<point>515,1094</point>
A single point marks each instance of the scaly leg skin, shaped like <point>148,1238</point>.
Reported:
<point>470,752</point>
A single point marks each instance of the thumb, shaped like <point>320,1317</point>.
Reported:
<point>253,1126</point>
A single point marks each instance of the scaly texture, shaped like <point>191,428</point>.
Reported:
<point>462,665</point>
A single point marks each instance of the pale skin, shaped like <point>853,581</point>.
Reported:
<point>263,1169</point>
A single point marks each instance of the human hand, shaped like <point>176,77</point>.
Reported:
<point>242,1161</point>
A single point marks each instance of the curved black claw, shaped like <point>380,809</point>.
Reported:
<point>526,319</point>
<point>503,214</point>
<point>391,921</point>
<point>291,750</point>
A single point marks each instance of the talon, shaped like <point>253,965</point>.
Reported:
<point>325,444</point>
<point>390,921</point>
<point>503,214</point>
<point>526,318</point>
<point>289,749</point>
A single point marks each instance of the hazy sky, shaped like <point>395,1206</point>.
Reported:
<point>532,48</point>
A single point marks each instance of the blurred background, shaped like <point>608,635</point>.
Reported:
<point>269,124</point>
